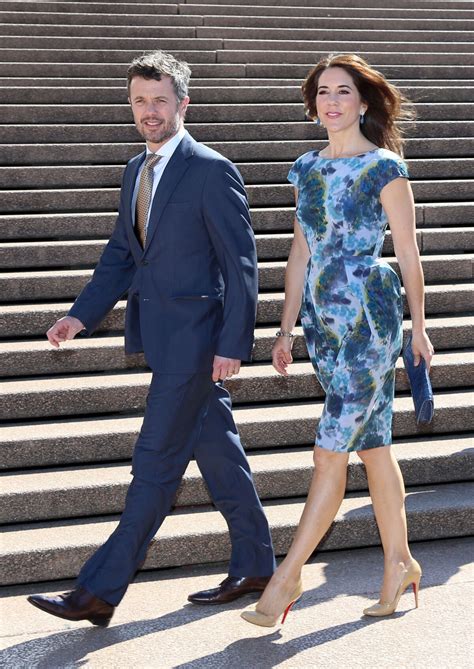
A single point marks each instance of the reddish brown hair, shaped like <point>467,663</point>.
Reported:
<point>386,105</point>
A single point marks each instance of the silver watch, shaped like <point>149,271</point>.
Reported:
<point>282,333</point>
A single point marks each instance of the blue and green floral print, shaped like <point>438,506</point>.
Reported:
<point>352,309</point>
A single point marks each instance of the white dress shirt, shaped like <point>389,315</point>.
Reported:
<point>166,152</point>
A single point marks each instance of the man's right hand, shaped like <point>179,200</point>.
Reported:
<point>64,329</point>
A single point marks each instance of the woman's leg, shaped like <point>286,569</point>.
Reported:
<point>324,499</point>
<point>387,491</point>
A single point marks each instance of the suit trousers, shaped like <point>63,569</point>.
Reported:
<point>185,414</point>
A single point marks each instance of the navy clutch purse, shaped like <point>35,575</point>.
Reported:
<point>420,385</point>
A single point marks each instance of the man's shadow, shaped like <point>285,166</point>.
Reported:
<point>69,648</point>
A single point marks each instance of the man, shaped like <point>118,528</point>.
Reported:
<point>184,250</point>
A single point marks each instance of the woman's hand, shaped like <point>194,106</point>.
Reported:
<point>422,348</point>
<point>281,354</point>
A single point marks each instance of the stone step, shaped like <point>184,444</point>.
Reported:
<point>111,438</point>
<point>54,18</point>
<point>421,12</point>
<point>57,549</point>
<point>307,4</point>
<point>46,494</point>
<point>32,67</point>
<point>81,253</point>
<point>389,71</point>
<point>424,28</point>
<point>25,320</point>
<point>79,176</point>
<point>66,52</point>
<point>258,63</point>
<point>169,27</point>
<point>205,95</point>
<point>207,113</point>
<point>100,225</point>
<point>63,284</point>
<point>50,43</point>
<point>218,70</point>
<point>79,395</point>
<point>369,17</point>
<point>106,153</point>
<point>59,29</point>
<point>200,83</point>
<point>247,54</point>
<point>459,239</point>
<point>217,14</point>
<point>98,354</point>
<point>92,7</point>
<point>254,48</point>
<point>422,131</point>
<point>106,199</point>
<point>330,39</point>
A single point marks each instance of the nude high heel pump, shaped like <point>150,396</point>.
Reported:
<point>411,576</point>
<point>252,615</point>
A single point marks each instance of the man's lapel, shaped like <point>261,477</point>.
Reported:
<point>129,187</point>
<point>172,174</point>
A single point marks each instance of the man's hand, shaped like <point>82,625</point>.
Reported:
<point>224,368</point>
<point>64,329</point>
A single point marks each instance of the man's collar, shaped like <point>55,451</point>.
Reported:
<point>169,147</point>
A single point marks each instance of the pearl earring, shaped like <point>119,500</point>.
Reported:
<point>362,119</point>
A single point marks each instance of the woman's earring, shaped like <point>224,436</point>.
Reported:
<point>362,119</point>
<point>317,121</point>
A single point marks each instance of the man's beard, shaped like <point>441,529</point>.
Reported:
<point>160,134</point>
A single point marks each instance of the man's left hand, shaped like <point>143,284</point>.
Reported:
<point>224,368</point>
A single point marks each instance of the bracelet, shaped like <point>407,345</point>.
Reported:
<point>282,333</point>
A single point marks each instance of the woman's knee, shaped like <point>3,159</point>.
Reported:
<point>325,460</point>
<point>374,456</point>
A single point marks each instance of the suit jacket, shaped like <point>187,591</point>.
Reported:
<point>192,291</point>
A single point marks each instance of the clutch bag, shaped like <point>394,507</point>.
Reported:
<point>420,385</point>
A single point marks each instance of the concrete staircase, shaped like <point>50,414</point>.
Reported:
<point>70,417</point>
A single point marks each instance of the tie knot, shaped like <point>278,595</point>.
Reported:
<point>151,160</point>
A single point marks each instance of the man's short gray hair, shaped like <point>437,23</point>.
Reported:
<point>155,64</point>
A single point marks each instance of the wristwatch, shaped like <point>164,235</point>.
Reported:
<point>282,333</point>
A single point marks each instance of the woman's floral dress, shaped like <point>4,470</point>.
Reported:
<point>352,309</point>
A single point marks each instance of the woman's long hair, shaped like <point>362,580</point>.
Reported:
<point>386,105</point>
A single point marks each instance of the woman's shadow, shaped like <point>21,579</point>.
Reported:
<point>440,560</point>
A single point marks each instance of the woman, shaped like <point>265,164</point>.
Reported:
<point>351,313</point>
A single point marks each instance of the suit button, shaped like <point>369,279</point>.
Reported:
<point>144,262</point>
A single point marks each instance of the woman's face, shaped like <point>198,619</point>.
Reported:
<point>338,101</point>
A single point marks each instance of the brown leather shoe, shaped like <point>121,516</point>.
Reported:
<point>231,588</point>
<point>77,604</point>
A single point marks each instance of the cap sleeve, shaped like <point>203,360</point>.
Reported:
<point>390,169</point>
<point>294,173</point>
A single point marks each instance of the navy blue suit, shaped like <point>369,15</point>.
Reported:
<point>192,294</point>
